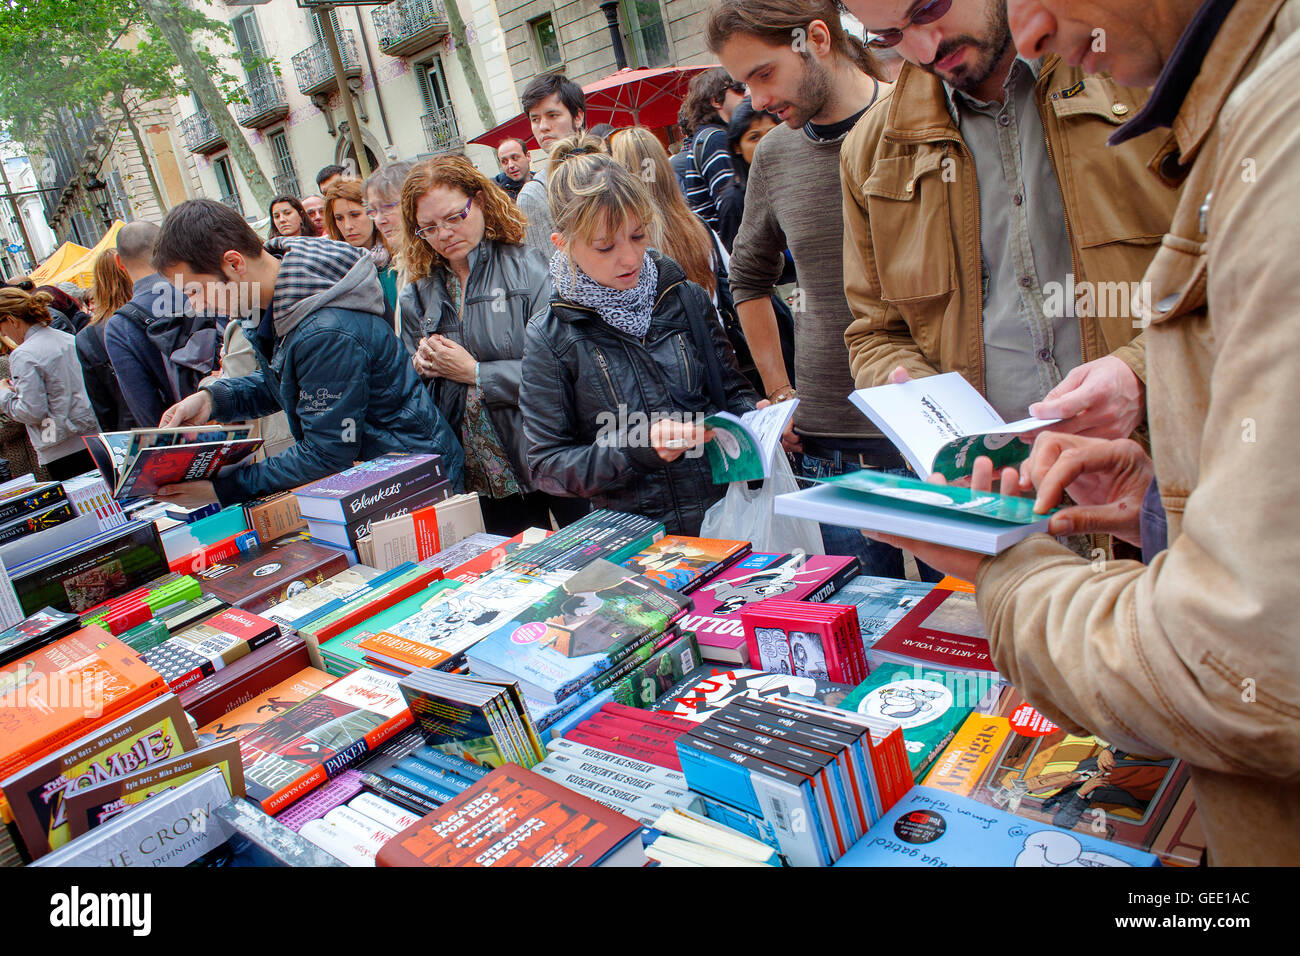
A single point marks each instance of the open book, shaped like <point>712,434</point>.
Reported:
<point>982,521</point>
<point>139,462</point>
<point>743,445</point>
<point>942,424</point>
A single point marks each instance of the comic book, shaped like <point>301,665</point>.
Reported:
<point>683,563</point>
<point>139,462</point>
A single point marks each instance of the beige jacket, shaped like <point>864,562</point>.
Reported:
<point>1198,654</point>
<point>912,265</point>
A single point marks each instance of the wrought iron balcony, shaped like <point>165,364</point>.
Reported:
<point>263,103</point>
<point>233,202</point>
<point>201,134</point>
<point>314,70</point>
<point>441,131</point>
<point>408,26</point>
<point>286,184</point>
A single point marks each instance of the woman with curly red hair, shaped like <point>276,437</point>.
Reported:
<point>473,287</point>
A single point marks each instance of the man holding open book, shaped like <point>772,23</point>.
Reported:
<point>1193,655</point>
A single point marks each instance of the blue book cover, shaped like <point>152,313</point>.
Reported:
<point>931,828</point>
<point>576,630</point>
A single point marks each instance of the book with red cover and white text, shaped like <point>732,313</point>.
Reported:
<point>944,629</point>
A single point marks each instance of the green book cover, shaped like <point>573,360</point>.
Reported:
<point>911,494</point>
<point>928,703</point>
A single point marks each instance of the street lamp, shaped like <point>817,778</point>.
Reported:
<point>98,187</point>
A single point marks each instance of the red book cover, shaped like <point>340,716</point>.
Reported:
<point>245,679</point>
<point>512,817</point>
<point>945,629</point>
<point>476,567</point>
<point>245,625</point>
<point>168,465</point>
<point>644,754</point>
<point>637,731</point>
<point>648,717</point>
<point>718,602</point>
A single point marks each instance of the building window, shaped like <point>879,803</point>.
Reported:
<point>229,192</point>
<point>117,195</point>
<point>645,29</point>
<point>285,180</point>
<point>547,42</point>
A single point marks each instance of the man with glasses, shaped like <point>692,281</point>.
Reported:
<point>988,230</point>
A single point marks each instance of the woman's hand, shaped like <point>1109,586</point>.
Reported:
<point>671,439</point>
<point>449,359</point>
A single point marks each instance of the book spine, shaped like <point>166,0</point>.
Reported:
<point>35,523</point>
<point>400,795</point>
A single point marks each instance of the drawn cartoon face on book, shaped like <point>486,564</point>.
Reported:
<point>734,593</point>
<point>1046,848</point>
<point>908,702</point>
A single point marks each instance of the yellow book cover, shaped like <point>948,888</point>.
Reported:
<point>962,763</point>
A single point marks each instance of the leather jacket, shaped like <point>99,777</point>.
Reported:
<point>507,285</point>
<point>590,391</point>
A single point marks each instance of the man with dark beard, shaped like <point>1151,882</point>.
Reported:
<point>984,216</point>
<point>801,66</point>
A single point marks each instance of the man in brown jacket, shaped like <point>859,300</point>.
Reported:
<point>1195,655</point>
<point>985,228</point>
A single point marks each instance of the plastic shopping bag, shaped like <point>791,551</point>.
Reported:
<point>745,515</point>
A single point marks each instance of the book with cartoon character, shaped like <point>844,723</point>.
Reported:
<point>684,563</point>
<point>928,703</point>
<point>930,828</point>
<point>718,602</point>
<point>1081,783</point>
<point>576,631</point>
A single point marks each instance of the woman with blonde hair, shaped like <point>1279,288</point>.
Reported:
<point>686,238</point>
<point>46,392</point>
<point>112,290</point>
<point>630,357</point>
<point>473,286</point>
<point>347,220</point>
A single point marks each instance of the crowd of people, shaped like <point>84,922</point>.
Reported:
<point>950,195</point>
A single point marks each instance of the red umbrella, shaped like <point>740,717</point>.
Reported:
<point>629,97</point>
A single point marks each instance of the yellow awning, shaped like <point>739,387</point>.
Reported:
<point>82,270</point>
<point>60,259</point>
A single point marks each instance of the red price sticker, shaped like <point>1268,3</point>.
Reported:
<point>1030,723</point>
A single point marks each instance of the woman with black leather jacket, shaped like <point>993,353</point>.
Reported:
<point>472,288</point>
<point>630,358</point>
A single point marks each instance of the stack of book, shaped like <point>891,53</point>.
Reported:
<point>120,614</point>
<point>716,619</point>
<point>340,508</point>
<point>206,648</point>
<point>479,721</point>
<point>39,518</point>
<point>318,738</point>
<point>679,837</point>
<point>761,765</point>
<point>711,687</point>
<point>612,536</point>
<point>257,710</point>
<point>642,735</point>
<point>415,775</point>
<point>274,516</point>
<point>247,678</point>
<point>418,533</point>
<point>806,639</point>
<point>34,632</point>
<point>641,789</point>
<point>355,832</point>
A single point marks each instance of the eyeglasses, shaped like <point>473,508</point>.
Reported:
<point>927,14</point>
<point>431,231</point>
<point>385,208</point>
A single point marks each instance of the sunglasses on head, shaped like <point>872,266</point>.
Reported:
<point>927,14</point>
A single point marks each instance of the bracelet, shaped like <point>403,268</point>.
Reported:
<point>784,393</point>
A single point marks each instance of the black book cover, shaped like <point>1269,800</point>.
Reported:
<point>39,521</point>
<point>365,488</point>
<point>36,498</point>
<point>94,571</point>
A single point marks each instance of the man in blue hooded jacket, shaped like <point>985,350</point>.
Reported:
<point>314,311</point>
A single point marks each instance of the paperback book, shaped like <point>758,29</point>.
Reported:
<point>682,563</point>
<point>139,462</point>
<point>743,446</point>
<point>577,630</point>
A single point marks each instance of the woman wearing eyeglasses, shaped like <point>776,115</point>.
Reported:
<point>473,287</point>
<point>383,196</point>
<point>347,220</point>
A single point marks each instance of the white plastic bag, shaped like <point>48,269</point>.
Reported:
<point>744,515</point>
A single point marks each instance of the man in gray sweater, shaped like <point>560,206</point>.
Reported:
<point>555,108</point>
<point>801,65</point>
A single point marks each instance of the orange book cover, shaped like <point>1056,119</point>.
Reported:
<point>962,763</point>
<point>386,644</point>
<point>68,689</point>
<point>949,583</point>
<point>252,714</point>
